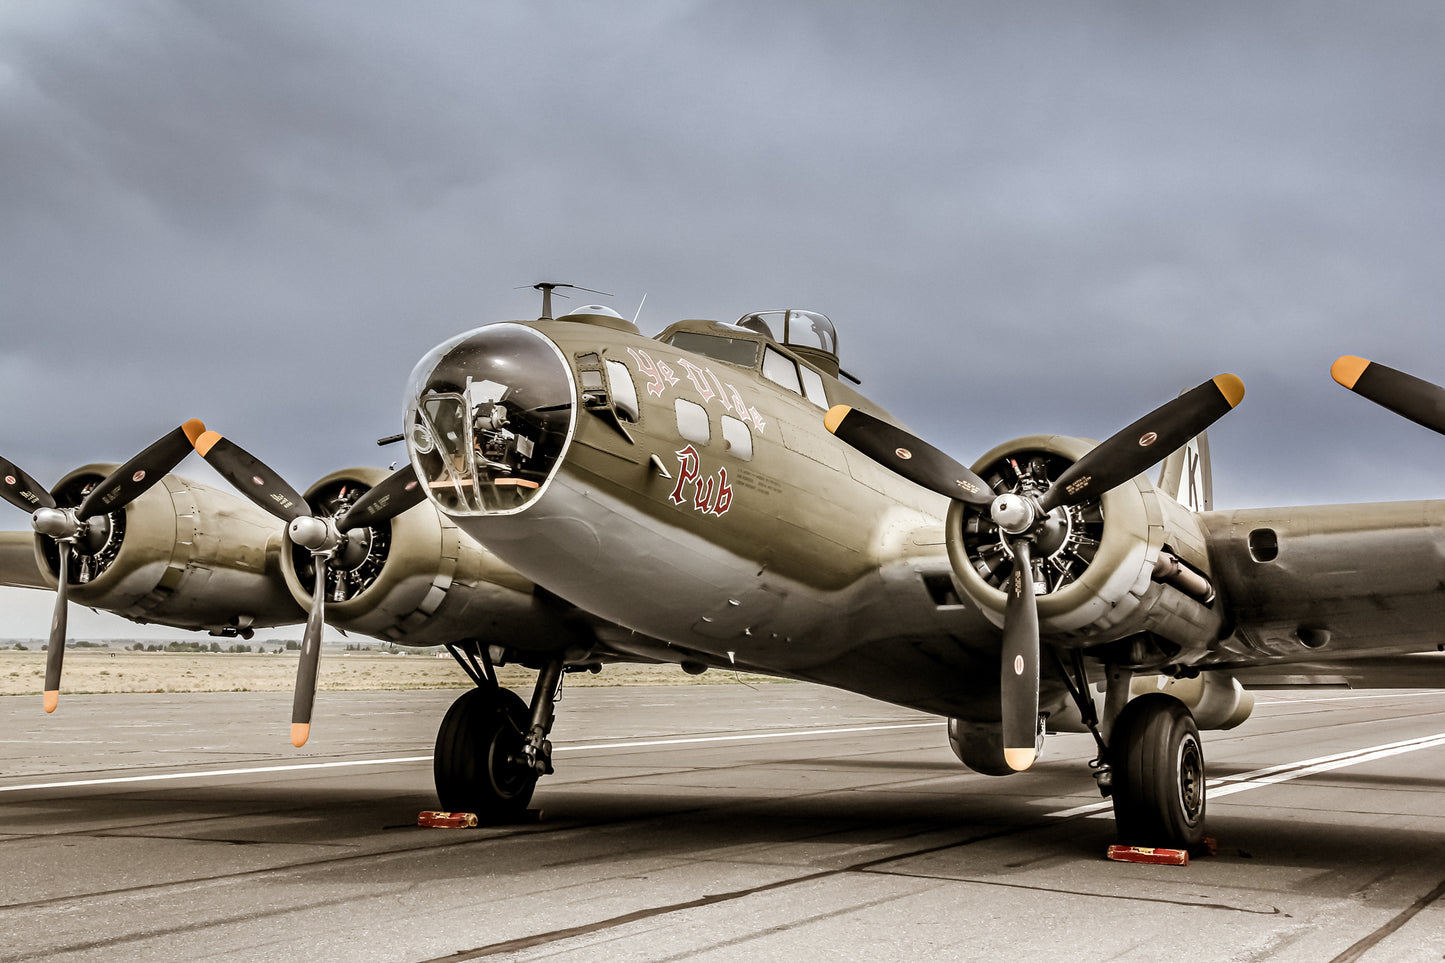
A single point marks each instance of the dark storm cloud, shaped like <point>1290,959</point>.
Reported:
<point>1041,218</point>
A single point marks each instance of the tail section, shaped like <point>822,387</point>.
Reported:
<point>1185,475</point>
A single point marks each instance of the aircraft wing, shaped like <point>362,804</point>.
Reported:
<point>1309,586</point>
<point>1416,670</point>
<point>1327,581</point>
<point>17,561</point>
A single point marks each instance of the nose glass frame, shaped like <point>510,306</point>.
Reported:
<point>491,415</point>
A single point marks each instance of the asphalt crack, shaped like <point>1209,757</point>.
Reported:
<point>1363,946</point>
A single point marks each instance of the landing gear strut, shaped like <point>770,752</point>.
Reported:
<point>1150,760</point>
<point>491,748</point>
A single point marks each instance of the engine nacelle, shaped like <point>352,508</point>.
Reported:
<point>1215,699</point>
<point>418,579</point>
<point>979,746</point>
<point>181,554</point>
<point>1130,563</point>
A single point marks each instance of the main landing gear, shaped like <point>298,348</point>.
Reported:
<point>1151,762</point>
<point>1158,768</point>
<point>491,748</point>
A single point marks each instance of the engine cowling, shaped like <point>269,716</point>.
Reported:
<point>181,554</point>
<point>1132,563</point>
<point>1215,699</point>
<point>418,579</point>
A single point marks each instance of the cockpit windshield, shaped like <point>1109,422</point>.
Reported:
<point>738,351</point>
<point>488,419</point>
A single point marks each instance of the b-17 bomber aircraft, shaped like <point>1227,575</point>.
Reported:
<point>722,489</point>
<point>720,496</point>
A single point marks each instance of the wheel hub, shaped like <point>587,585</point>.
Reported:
<point>1191,779</point>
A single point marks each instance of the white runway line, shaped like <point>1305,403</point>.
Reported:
<point>304,766</point>
<point>1260,778</point>
<point>1223,786</point>
<point>758,735</point>
<point>118,780</point>
<point>1273,775</point>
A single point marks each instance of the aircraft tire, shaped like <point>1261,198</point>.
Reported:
<point>473,766</point>
<point>1158,769</point>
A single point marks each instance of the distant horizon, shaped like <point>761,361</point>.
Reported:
<point>26,614</point>
<point>41,643</point>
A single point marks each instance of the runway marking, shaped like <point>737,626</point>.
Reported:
<point>303,766</point>
<point>294,767</point>
<point>1309,705</point>
<point>1360,697</point>
<point>1228,785</point>
<point>1273,775</point>
<point>1223,786</point>
<point>757,735</point>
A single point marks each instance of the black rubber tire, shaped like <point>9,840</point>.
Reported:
<point>1158,770</point>
<point>473,768</point>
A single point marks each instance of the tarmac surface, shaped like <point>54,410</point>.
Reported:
<point>726,822</point>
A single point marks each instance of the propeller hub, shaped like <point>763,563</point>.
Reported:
<point>314,534</point>
<point>1014,513</point>
<point>58,523</point>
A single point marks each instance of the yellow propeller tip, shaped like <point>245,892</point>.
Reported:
<point>1019,759</point>
<point>835,417</point>
<point>1231,387</point>
<point>52,699</point>
<point>300,732</point>
<point>205,442</point>
<point>194,429</point>
<point>1347,370</point>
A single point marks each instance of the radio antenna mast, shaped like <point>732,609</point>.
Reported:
<point>547,287</point>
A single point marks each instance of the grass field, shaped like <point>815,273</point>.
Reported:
<point>116,670</point>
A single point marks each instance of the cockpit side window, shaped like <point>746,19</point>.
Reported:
<point>813,386</point>
<point>779,368</point>
<point>624,391</point>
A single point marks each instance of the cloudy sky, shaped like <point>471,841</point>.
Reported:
<point>1021,217</point>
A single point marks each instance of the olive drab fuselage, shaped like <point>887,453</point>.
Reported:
<point>685,488</point>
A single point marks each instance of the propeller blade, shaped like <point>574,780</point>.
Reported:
<point>309,667</point>
<point>398,492</point>
<point>1420,401</point>
<point>251,477</point>
<point>1147,441</point>
<point>911,457</point>
<point>128,481</point>
<point>1019,673</point>
<point>22,491</point>
<point>55,651</point>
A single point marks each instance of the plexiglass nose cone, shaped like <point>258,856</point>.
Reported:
<point>490,415</point>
